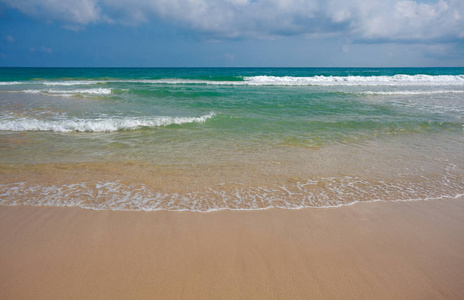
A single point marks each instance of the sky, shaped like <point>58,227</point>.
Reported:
<point>232,33</point>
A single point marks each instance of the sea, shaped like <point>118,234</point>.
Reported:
<point>208,139</point>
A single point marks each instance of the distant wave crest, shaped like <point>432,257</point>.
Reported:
<point>262,80</point>
<point>403,80</point>
<point>396,80</point>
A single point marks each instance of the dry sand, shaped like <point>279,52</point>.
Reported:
<point>412,250</point>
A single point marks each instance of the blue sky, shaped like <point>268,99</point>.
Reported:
<point>231,33</point>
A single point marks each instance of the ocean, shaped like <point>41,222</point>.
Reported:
<point>206,139</point>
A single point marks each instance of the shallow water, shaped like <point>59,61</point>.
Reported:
<point>209,139</point>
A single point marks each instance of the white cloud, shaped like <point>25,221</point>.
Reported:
<point>68,11</point>
<point>400,20</point>
<point>9,39</point>
<point>368,20</point>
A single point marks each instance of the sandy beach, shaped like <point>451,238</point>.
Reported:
<point>235,149</point>
<point>383,250</point>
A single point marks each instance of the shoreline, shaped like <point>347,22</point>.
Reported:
<point>226,209</point>
<point>380,250</point>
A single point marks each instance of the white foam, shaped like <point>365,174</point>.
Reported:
<point>95,125</point>
<point>334,192</point>
<point>395,80</point>
<point>10,82</point>
<point>401,80</point>
<point>96,91</point>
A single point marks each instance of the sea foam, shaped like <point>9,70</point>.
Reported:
<point>11,82</point>
<point>96,125</point>
<point>401,80</point>
<point>96,91</point>
<point>262,80</point>
<point>321,193</point>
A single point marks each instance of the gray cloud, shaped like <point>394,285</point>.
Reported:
<point>359,20</point>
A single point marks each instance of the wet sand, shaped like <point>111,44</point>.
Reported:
<point>383,250</point>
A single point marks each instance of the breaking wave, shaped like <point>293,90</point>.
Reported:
<point>395,80</point>
<point>96,125</point>
<point>96,91</point>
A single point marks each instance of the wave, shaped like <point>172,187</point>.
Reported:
<point>402,80</point>
<point>307,193</point>
<point>263,80</point>
<point>12,82</point>
<point>414,91</point>
<point>96,91</point>
<point>96,125</point>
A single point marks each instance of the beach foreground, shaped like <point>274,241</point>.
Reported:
<point>383,250</point>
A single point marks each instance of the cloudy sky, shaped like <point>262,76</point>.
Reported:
<point>225,33</point>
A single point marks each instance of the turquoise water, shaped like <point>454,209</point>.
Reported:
<point>229,120</point>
